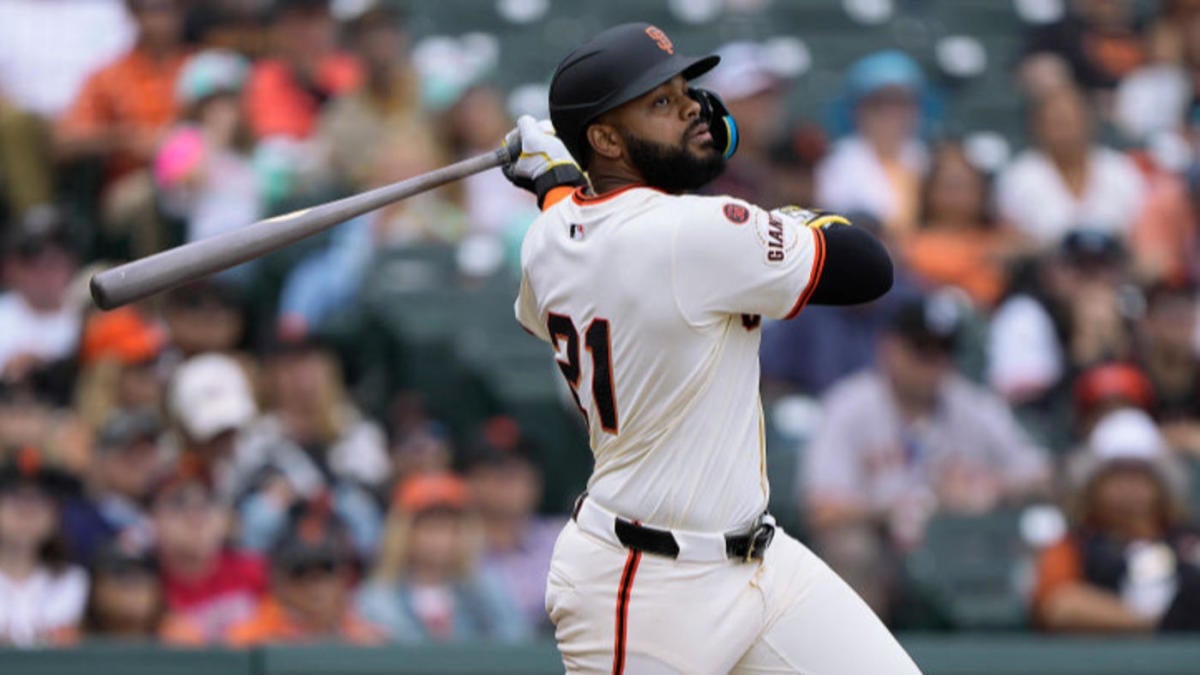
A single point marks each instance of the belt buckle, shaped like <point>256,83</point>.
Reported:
<point>761,537</point>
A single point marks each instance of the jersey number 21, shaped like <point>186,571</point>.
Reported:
<point>598,343</point>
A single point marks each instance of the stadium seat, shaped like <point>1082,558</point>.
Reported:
<point>967,570</point>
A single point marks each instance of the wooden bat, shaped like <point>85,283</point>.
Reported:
<point>164,270</point>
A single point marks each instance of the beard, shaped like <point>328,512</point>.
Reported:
<point>674,168</point>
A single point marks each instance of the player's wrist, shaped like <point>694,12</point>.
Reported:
<point>565,174</point>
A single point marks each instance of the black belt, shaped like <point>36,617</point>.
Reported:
<point>749,546</point>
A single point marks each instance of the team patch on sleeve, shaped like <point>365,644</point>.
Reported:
<point>777,237</point>
<point>736,213</point>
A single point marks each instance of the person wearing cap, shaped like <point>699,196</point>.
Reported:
<point>204,166</point>
<point>506,489</point>
<point>124,464</point>
<point>878,165</point>
<point>1104,387</point>
<point>1067,314</point>
<point>910,437</point>
<point>126,603</point>
<point>1130,561</point>
<point>210,404</point>
<point>653,300</point>
<point>287,90</point>
<point>427,584</point>
<point>208,583</point>
<point>313,572</point>
<point>118,364</point>
<point>40,324</point>
<point>41,594</point>
<point>1067,180</point>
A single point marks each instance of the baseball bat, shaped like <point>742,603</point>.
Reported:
<point>164,270</point>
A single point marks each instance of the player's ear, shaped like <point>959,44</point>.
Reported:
<point>605,140</point>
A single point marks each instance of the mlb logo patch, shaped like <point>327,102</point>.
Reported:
<point>576,231</point>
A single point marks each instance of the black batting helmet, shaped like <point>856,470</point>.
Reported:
<point>614,67</point>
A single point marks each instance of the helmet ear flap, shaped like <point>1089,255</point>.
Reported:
<point>721,124</point>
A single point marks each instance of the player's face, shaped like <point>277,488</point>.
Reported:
<point>665,139</point>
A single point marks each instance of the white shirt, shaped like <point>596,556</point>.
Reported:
<point>35,607</point>
<point>1031,194</point>
<point>852,178</point>
<point>48,335</point>
<point>671,287</point>
<point>42,78</point>
<point>1023,350</point>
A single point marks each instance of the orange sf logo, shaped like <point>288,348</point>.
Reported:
<point>660,38</point>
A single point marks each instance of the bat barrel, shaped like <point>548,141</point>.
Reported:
<point>140,278</point>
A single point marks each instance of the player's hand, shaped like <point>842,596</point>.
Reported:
<point>811,218</point>
<point>544,162</point>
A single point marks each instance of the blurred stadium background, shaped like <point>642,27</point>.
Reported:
<point>352,444</point>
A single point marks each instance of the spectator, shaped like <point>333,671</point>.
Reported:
<point>210,586</point>
<point>427,585</point>
<point>41,595</point>
<point>286,93</point>
<point>1166,335</point>
<point>476,123</point>
<point>826,343</point>
<point>878,168</point>
<point>126,600</point>
<point>958,242</point>
<point>125,463</point>
<point>1105,387</point>
<point>1067,181</point>
<point>506,487</point>
<point>203,316</point>
<point>118,358</point>
<point>37,84</point>
<point>312,582</point>
<point>430,217</point>
<point>1125,566</point>
<point>1096,44</point>
<point>935,442</point>
<point>40,324</point>
<point>211,403</point>
<point>311,439</point>
<point>1071,317</point>
<point>204,165</point>
<point>122,112</point>
<point>755,96</point>
<point>357,127</point>
<point>421,448</point>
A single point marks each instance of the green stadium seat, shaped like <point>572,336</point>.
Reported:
<point>966,570</point>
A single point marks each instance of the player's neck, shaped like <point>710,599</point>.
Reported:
<point>606,177</point>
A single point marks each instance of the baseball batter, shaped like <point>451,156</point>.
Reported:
<point>652,300</point>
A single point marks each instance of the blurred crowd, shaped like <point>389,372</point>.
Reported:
<point>195,469</point>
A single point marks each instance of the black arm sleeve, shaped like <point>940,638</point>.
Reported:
<point>857,268</point>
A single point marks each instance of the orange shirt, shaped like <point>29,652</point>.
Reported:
<point>967,259</point>
<point>277,104</point>
<point>1058,565</point>
<point>135,91</point>
<point>272,624</point>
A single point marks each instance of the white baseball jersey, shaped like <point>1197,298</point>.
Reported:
<point>652,303</point>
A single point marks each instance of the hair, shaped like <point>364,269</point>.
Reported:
<point>333,413</point>
<point>955,149</point>
<point>92,623</point>
<point>1082,503</point>
<point>391,565</point>
<point>54,553</point>
<point>243,137</point>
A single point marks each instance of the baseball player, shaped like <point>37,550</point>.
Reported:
<point>652,300</point>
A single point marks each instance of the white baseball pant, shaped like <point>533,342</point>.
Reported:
<point>619,611</point>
